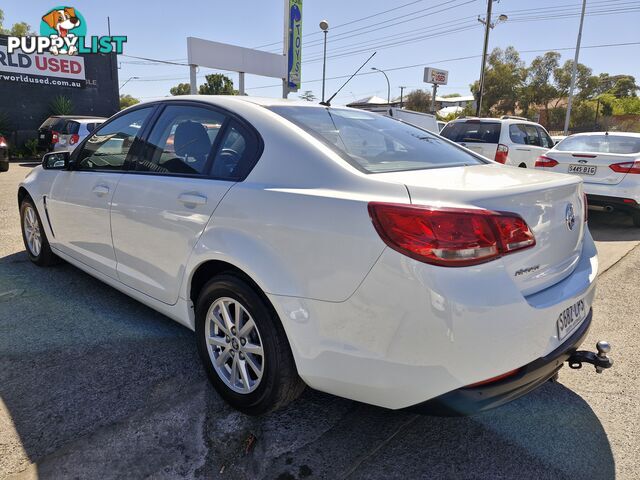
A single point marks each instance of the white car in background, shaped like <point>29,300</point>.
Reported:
<point>508,140</point>
<point>325,246</point>
<point>609,165</point>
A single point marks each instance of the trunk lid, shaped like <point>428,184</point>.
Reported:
<point>541,199</point>
<point>592,167</point>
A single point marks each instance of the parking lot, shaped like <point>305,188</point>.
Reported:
<point>95,385</point>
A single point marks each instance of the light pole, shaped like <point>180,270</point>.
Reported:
<point>388,83</point>
<point>324,26</point>
<point>487,28</point>
<point>574,71</point>
<point>127,81</point>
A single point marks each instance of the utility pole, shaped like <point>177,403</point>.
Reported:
<point>574,70</point>
<point>402,96</point>
<point>487,28</point>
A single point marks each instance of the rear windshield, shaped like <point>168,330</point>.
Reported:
<point>619,144</point>
<point>375,143</point>
<point>472,132</point>
<point>53,123</point>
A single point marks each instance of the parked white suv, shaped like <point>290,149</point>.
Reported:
<point>509,140</point>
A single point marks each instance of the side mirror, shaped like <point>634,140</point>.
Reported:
<point>55,161</point>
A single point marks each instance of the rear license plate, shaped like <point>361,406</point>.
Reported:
<point>583,169</point>
<point>570,318</point>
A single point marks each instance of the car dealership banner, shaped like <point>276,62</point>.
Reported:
<point>294,41</point>
<point>43,69</point>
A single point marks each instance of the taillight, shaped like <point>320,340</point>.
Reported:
<point>75,138</point>
<point>449,237</point>
<point>626,167</point>
<point>3,142</point>
<point>501,153</point>
<point>545,162</point>
<point>55,137</point>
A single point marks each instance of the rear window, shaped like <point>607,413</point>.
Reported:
<point>620,144</point>
<point>375,143</point>
<point>472,132</point>
<point>53,123</point>
<point>70,128</point>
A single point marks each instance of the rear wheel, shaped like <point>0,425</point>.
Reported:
<point>243,347</point>
<point>33,235</point>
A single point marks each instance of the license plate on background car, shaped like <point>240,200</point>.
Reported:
<point>583,169</point>
<point>570,318</point>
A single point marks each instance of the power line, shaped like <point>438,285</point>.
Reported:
<point>404,67</point>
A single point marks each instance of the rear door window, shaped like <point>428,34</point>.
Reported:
<point>472,132</point>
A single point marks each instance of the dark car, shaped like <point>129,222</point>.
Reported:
<point>4,154</point>
<point>65,129</point>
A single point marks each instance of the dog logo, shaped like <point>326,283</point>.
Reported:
<point>64,23</point>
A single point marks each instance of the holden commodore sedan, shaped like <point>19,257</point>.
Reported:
<point>328,247</point>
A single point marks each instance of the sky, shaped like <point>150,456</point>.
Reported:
<point>408,35</point>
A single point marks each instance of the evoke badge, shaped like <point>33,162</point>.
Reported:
<point>522,271</point>
<point>570,217</point>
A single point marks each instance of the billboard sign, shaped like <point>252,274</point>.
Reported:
<point>44,69</point>
<point>294,54</point>
<point>435,76</point>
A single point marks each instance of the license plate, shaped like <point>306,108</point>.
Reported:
<point>583,169</point>
<point>570,318</point>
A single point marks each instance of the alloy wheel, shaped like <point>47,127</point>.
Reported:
<point>234,345</point>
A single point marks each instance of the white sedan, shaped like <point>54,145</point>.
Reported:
<point>608,163</point>
<point>328,247</point>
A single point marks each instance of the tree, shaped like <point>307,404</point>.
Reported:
<point>539,89</point>
<point>217,84</point>
<point>418,101</point>
<point>584,81</point>
<point>20,29</point>
<point>308,96</point>
<point>503,80</point>
<point>127,101</point>
<point>180,89</point>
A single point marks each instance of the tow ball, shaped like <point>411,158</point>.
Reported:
<point>599,360</point>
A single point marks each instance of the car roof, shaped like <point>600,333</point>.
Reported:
<point>262,101</point>
<point>623,134</point>
<point>494,120</point>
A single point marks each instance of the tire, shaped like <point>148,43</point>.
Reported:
<point>635,216</point>
<point>34,236</point>
<point>262,383</point>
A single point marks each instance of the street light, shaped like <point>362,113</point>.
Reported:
<point>324,26</point>
<point>129,79</point>
<point>488,26</point>
<point>388,84</point>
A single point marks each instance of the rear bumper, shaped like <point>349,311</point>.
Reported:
<point>467,401</point>
<point>618,203</point>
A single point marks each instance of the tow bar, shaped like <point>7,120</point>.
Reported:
<point>600,360</point>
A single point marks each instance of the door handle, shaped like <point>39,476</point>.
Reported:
<point>100,190</point>
<point>192,199</point>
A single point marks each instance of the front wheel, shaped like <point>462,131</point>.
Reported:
<point>243,347</point>
<point>33,235</point>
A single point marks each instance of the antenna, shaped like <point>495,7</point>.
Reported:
<point>328,102</point>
